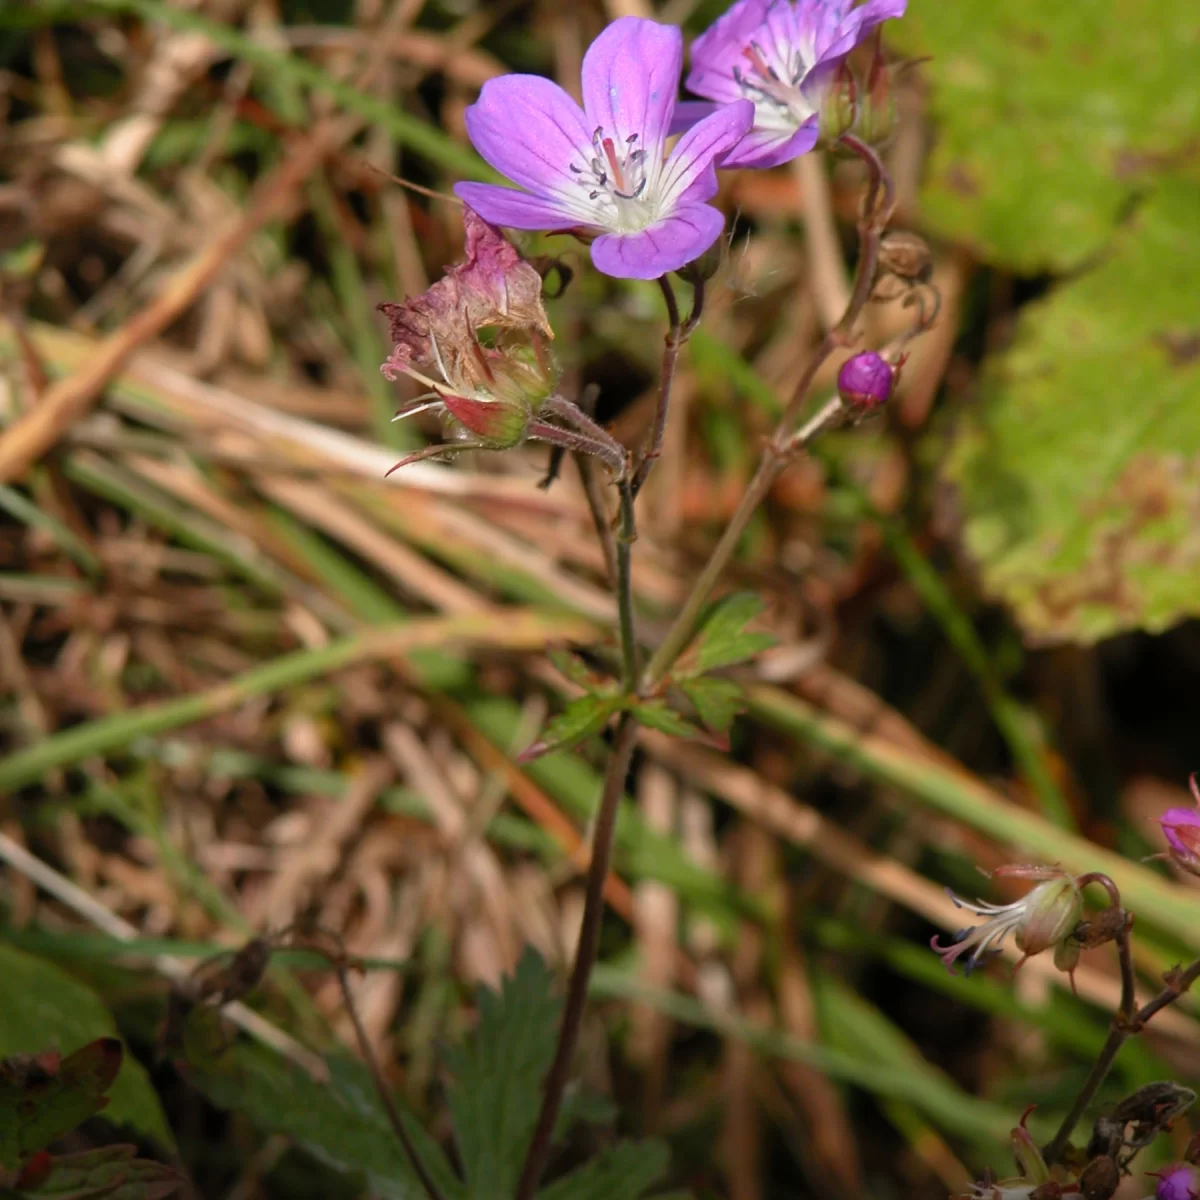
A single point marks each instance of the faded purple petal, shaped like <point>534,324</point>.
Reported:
<point>530,130</point>
<point>690,175</point>
<point>770,147</point>
<point>630,81</point>
<point>672,243</point>
<point>517,210</point>
<point>1181,828</point>
<point>689,112</point>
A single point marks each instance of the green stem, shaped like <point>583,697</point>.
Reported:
<point>626,536</point>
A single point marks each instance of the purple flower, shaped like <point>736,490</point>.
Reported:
<point>865,381</point>
<point>1178,1182</point>
<point>601,169</point>
<point>782,55</point>
<point>1181,828</point>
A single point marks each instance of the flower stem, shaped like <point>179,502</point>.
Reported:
<point>626,536</point>
<point>620,756</point>
<point>1125,1023</point>
<point>774,459</point>
<point>785,443</point>
<point>678,332</point>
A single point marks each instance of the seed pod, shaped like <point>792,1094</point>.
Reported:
<point>906,255</point>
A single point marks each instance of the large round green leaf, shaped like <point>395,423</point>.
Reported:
<point>1050,117</point>
<point>1078,473</point>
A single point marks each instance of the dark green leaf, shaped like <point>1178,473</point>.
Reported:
<point>657,715</point>
<point>723,638</point>
<point>717,701</point>
<point>1078,473</point>
<point>43,1097</point>
<point>45,1008</point>
<point>341,1122</point>
<point>581,718</point>
<point>624,1172</point>
<point>498,1074</point>
<point>1050,118</point>
<point>111,1172</point>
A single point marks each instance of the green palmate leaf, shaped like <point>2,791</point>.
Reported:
<point>581,718</point>
<point>626,1171</point>
<point>111,1172</point>
<point>44,1008</point>
<point>341,1122</point>
<point>43,1097</point>
<point>498,1074</point>
<point>723,638</point>
<point>657,715</point>
<point>716,701</point>
<point>1079,473</point>
<point>1050,117</point>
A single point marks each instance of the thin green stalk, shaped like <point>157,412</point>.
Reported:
<point>625,539</point>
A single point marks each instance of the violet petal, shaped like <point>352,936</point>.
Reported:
<point>530,130</point>
<point>689,113</point>
<point>630,81</point>
<point>665,246</point>
<point>770,147</point>
<point>517,210</point>
<point>690,175</point>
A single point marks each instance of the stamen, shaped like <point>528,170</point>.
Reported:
<point>610,152</point>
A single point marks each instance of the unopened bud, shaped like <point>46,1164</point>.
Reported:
<point>865,382</point>
<point>1099,1179</point>
<point>906,255</point>
<point>839,105</point>
<point>702,269</point>
<point>1180,1181</point>
<point>877,106</point>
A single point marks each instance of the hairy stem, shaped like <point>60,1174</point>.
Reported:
<point>620,756</point>
<point>774,459</point>
<point>785,443</point>
<point>1125,1023</point>
<point>626,536</point>
<point>678,332</point>
<point>385,1093</point>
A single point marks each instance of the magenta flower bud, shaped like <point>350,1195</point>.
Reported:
<point>865,381</point>
<point>1178,1182</point>
<point>1181,828</point>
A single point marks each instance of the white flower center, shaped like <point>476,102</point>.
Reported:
<point>773,82</point>
<point>617,181</point>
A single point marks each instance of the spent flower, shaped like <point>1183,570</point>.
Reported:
<point>1042,919</point>
<point>787,57</point>
<point>1181,828</point>
<point>602,170</point>
<point>495,391</point>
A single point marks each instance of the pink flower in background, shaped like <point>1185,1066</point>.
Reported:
<point>782,55</point>
<point>602,170</point>
<point>1181,828</point>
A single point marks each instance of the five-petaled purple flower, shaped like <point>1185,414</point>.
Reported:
<point>601,169</point>
<point>782,55</point>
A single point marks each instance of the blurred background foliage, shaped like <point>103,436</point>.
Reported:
<point>247,681</point>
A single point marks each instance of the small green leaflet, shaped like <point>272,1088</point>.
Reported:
<point>111,1172</point>
<point>723,638</point>
<point>43,1097</point>
<point>623,1172</point>
<point>581,718</point>
<point>656,715</point>
<point>498,1074</point>
<point>716,701</point>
